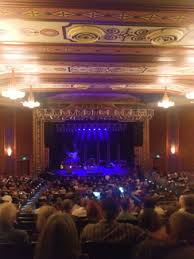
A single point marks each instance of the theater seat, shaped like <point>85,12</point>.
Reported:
<point>133,222</point>
<point>14,251</point>
<point>107,250</point>
<point>26,222</point>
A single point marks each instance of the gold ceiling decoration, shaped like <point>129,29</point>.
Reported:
<point>85,33</point>
<point>123,113</point>
<point>167,36</point>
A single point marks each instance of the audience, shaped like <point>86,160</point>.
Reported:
<point>99,209</point>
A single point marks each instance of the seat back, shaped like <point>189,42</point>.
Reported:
<point>17,251</point>
<point>26,222</point>
<point>107,250</point>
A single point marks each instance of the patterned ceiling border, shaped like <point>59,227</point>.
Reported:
<point>91,49</point>
<point>152,17</point>
<point>94,69</point>
<point>36,32</point>
<point>122,113</point>
<point>70,87</point>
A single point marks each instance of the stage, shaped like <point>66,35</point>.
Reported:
<point>101,170</point>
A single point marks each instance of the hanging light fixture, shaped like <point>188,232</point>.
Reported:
<point>12,92</point>
<point>165,102</point>
<point>31,103</point>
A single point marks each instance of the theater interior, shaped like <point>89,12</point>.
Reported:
<point>96,90</point>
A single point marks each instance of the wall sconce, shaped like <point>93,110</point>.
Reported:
<point>173,149</point>
<point>9,151</point>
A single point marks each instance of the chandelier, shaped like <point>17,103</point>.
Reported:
<point>165,102</point>
<point>12,92</point>
<point>31,103</point>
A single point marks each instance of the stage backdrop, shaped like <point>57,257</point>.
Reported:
<point>102,141</point>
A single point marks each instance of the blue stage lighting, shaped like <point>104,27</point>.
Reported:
<point>99,129</point>
<point>94,129</point>
<point>79,129</point>
<point>105,129</point>
<point>84,129</point>
<point>89,129</point>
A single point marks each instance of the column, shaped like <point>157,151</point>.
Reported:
<point>146,144</point>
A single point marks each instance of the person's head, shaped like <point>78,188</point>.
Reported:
<point>59,204</point>
<point>149,220</point>
<point>94,211</point>
<point>67,206</point>
<point>8,213</point>
<point>125,205</point>
<point>189,203</point>
<point>181,226</point>
<point>59,239</point>
<point>7,198</point>
<point>149,203</point>
<point>43,214</point>
<point>110,209</point>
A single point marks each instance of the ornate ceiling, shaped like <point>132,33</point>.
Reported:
<point>103,50</point>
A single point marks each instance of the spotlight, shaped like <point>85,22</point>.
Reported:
<point>94,129</point>
<point>89,129</point>
<point>79,129</point>
<point>84,129</point>
<point>105,129</point>
<point>99,129</point>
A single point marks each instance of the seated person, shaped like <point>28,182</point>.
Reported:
<point>109,229</point>
<point>186,203</point>
<point>155,244</point>
<point>182,227</point>
<point>94,211</point>
<point>8,234</point>
<point>125,215</point>
<point>79,209</point>
<point>145,217</point>
<point>59,239</point>
<point>67,206</point>
<point>43,214</point>
<point>182,236</point>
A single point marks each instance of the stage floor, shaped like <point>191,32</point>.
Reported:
<point>92,171</point>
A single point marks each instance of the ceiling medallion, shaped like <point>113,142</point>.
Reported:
<point>85,33</point>
<point>165,36</point>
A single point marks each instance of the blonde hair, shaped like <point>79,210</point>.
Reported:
<point>8,213</point>
<point>43,214</point>
<point>59,239</point>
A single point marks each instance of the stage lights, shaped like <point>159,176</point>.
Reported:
<point>91,127</point>
<point>94,129</point>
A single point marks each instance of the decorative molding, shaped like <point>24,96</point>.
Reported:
<point>122,113</point>
<point>132,16</point>
<point>85,34</point>
<point>52,32</point>
<point>164,37</point>
<point>100,68</point>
